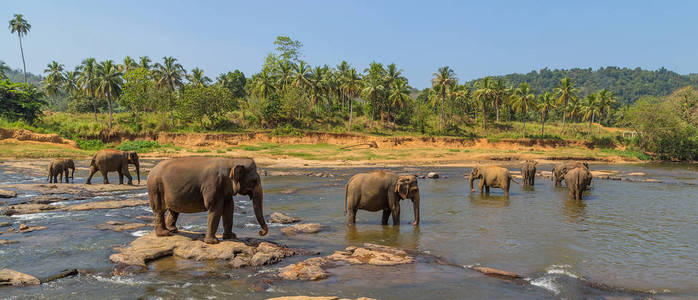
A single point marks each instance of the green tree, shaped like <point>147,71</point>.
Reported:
<point>484,94</point>
<point>4,69</point>
<point>399,93</point>
<point>21,26</point>
<point>127,65</point>
<point>545,103</point>
<point>522,99</point>
<point>20,101</point>
<point>144,62</point>
<point>71,84</point>
<point>351,87</point>
<point>590,108</point>
<point>565,91</point>
<point>234,81</point>
<point>289,49</point>
<point>197,78</point>
<point>606,101</point>
<point>88,82</point>
<point>136,91</point>
<point>205,104</point>
<point>442,80</point>
<point>168,76</point>
<point>54,79</point>
<point>109,83</point>
<point>499,94</point>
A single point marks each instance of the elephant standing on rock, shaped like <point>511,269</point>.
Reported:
<point>198,184</point>
<point>491,176</point>
<point>577,180</point>
<point>110,160</point>
<point>381,190</point>
<point>528,172</point>
<point>559,171</point>
<point>61,167</point>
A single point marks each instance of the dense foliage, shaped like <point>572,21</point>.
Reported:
<point>19,101</point>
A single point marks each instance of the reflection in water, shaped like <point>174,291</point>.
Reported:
<point>489,200</point>
<point>405,236</point>
<point>574,210</point>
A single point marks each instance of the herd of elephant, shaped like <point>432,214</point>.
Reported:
<point>208,184</point>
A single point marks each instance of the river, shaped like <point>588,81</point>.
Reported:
<point>625,239</point>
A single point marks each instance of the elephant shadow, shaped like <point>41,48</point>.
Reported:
<point>484,200</point>
<point>384,235</point>
<point>575,210</point>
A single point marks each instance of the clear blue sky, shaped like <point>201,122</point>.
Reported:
<point>474,38</point>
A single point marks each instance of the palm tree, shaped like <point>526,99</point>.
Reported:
<point>4,69</point>
<point>301,76</point>
<point>351,86</point>
<point>373,89</point>
<point>499,93</point>
<point>484,93</point>
<point>169,75</point>
<point>441,81</point>
<point>565,91</point>
<point>144,62</point>
<point>87,81</point>
<point>590,108</point>
<point>109,84</point>
<point>21,26</point>
<point>606,100</point>
<point>197,78</point>
<point>522,99</point>
<point>54,79</point>
<point>399,93</point>
<point>262,85</point>
<point>545,103</point>
<point>71,84</point>
<point>127,65</point>
<point>285,74</point>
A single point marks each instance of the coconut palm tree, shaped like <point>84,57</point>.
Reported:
<point>21,26</point>
<point>565,91</point>
<point>144,62</point>
<point>109,84</point>
<point>87,81</point>
<point>442,79</point>
<point>168,75</point>
<point>351,86</point>
<point>262,85</point>
<point>606,100</point>
<point>545,103</point>
<point>284,69</point>
<point>301,76</point>
<point>54,78</point>
<point>484,94</point>
<point>373,90</point>
<point>71,84</point>
<point>399,94</point>
<point>590,108</point>
<point>127,65</point>
<point>197,78</point>
<point>4,69</point>
<point>522,99</point>
<point>499,94</point>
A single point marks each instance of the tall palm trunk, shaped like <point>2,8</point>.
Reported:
<point>21,49</point>
<point>600,114</point>
<point>590,121</point>
<point>497,109</point>
<point>94,108</point>
<point>484,117</point>
<point>564,114</point>
<point>351,112</point>
<point>441,124</point>
<point>110,109</point>
<point>524,128</point>
<point>172,107</point>
<point>542,125</point>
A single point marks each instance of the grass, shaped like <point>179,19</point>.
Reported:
<point>39,150</point>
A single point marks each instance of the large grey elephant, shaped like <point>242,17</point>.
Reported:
<point>528,172</point>
<point>198,184</point>
<point>110,160</point>
<point>559,171</point>
<point>491,176</point>
<point>60,167</point>
<point>577,180</point>
<point>381,190</point>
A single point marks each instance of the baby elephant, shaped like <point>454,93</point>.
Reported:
<point>528,171</point>
<point>61,167</point>
<point>381,190</point>
<point>491,176</point>
<point>577,180</point>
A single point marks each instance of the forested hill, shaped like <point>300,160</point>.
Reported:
<point>627,84</point>
<point>16,75</point>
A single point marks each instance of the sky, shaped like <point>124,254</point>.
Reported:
<point>475,38</point>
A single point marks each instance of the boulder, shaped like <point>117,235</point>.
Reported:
<point>637,174</point>
<point>372,254</point>
<point>302,228</point>
<point>119,226</point>
<point>7,194</point>
<point>23,209</point>
<point>198,250</point>
<point>107,204</point>
<point>432,175</point>
<point>23,228</point>
<point>278,217</point>
<point>12,277</point>
<point>309,269</point>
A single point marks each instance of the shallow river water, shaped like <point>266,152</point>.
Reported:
<point>633,239</point>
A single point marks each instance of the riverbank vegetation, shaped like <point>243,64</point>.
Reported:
<point>97,100</point>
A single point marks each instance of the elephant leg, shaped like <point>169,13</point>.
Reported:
<point>352,208</point>
<point>215,204</point>
<point>93,170</point>
<point>487,189</point>
<point>67,176</point>
<point>171,221</point>
<point>126,173</point>
<point>506,190</point>
<point>482,186</point>
<point>60,175</point>
<point>396,214</point>
<point>104,176</point>
<point>121,177</point>
<point>386,215</point>
<point>228,212</point>
<point>159,223</point>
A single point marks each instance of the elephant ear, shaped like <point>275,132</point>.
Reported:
<point>401,187</point>
<point>235,175</point>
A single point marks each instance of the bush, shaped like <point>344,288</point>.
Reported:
<point>90,144</point>
<point>286,130</point>
<point>138,146</point>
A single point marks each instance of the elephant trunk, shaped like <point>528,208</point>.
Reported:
<point>415,204</point>
<point>257,196</point>
<point>138,171</point>
<point>471,179</point>
<point>72,173</point>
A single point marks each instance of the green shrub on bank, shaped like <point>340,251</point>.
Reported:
<point>90,144</point>
<point>141,146</point>
<point>286,130</point>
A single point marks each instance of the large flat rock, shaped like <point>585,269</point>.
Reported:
<point>7,194</point>
<point>119,226</point>
<point>305,228</point>
<point>12,277</point>
<point>23,209</point>
<point>110,204</point>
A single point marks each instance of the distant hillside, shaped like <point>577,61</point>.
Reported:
<point>17,75</point>
<point>628,84</point>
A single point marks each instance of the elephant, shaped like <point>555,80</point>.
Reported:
<point>559,171</point>
<point>61,167</point>
<point>380,190</point>
<point>528,172</point>
<point>198,184</point>
<point>577,180</point>
<point>491,176</point>
<point>109,160</point>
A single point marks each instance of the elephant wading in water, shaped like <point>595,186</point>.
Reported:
<point>110,160</point>
<point>528,172</point>
<point>381,190</point>
<point>559,171</point>
<point>198,184</point>
<point>492,176</point>
<point>577,180</point>
<point>61,167</point>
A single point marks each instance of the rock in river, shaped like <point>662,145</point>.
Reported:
<point>302,228</point>
<point>7,242</point>
<point>278,217</point>
<point>432,175</point>
<point>12,277</point>
<point>7,194</point>
<point>22,209</point>
<point>119,226</point>
<point>107,204</point>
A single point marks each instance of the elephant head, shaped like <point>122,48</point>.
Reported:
<point>132,157</point>
<point>71,165</point>
<point>246,181</point>
<point>475,173</point>
<point>406,186</point>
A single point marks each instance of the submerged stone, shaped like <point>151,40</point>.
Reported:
<point>278,217</point>
<point>106,204</point>
<point>302,228</point>
<point>23,209</point>
<point>7,242</point>
<point>119,226</point>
